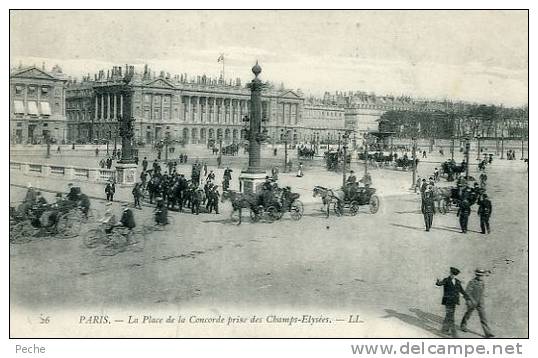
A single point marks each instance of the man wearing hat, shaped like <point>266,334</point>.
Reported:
<point>351,179</point>
<point>463,213</point>
<point>161,212</point>
<point>127,217</point>
<point>451,297</point>
<point>475,291</point>
<point>428,207</point>
<point>484,211</point>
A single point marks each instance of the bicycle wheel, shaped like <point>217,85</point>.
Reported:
<point>93,237</point>
<point>296,210</point>
<point>68,225</point>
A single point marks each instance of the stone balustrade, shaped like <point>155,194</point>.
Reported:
<point>67,172</point>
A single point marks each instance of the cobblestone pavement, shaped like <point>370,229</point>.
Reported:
<point>381,266</point>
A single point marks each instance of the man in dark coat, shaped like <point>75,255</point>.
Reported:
<point>463,213</point>
<point>127,218</point>
<point>161,212</point>
<point>110,189</point>
<point>428,207</point>
<point>145,164</point>
<point>452,289</point>
<point>484,211</point>
<point>137,193</point>
<point>475,290</point>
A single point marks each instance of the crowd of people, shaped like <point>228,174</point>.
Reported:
<point>464,195</point>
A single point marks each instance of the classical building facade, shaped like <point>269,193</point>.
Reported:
<point>193,111</point>
<point>37,105</point>
<point>322,122</point>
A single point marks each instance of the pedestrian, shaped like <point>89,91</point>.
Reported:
<point>484,211</point>
<point>144,164</point>
<point>205,169</point>
<point>424,154</point>
<point>423,186</point>
<point>137,193</point>
<point>300,170</point>
<point>110,189</point>
<point>96,152</point>
<point>428,207</point>
<point>436,174</point>
<point>475,292</point>
<point>58,150</point>
<point>452,289</point>
<point>463,213</point>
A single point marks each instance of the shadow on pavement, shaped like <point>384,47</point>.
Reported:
<point>422,320</point>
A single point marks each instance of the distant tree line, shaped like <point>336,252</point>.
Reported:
<point>471,120</point>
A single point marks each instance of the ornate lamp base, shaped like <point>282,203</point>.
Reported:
<point>251,182</point>
<point>126,174</point>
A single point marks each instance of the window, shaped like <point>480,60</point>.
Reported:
<point>32,108</point>
<point>147,98</point>
<point>44,91</point>
<point>19,107</point>
<point>31,91</point>
<point>19,90</point>
<point>45,108</point>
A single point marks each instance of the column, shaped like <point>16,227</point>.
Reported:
<point>121,105</point>
<point>115,107</point>
<point>108,106</point>
<point>102,107</point>
<point>162,107</point>
<point>96,109</point>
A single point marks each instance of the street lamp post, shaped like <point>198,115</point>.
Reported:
<point>478,147</point>
<point>345,137</point>
<point>286,132</point>
<point>413,184</point>
<point>219,159</point>
<point>467,150</point>
<point>366,136</point>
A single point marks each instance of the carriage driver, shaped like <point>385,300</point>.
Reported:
<point>366,180</point>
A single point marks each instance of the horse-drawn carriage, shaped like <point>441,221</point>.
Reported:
<point>62,220</point>
<point>450,169</point>
<point>268,205</point>
<point>333,160</point>
<point>349,198</point>
<point>449,197</point>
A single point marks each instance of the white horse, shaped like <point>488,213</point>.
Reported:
<point>328,196</point>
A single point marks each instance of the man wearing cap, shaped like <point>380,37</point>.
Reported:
<point>428,207</point>
<point>463,213</point>
<point>475,291</point>
<point>127,217</point>
<point>451,297</point>
<point>161,212</point>
<point>351,179</point>
<point>484,211</point>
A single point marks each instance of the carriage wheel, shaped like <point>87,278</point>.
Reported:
<point>296,210</point>
<point>254,217</point>
<point>21,233</point>
<point>235,216</point>
<point>69,224</point>
<point>338,208</point>
<point>93,238</point>
<point>374,204</point>
<point>354,208</point>
<point>272,214</point>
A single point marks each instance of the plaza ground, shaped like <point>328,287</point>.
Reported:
<point>381,266</point>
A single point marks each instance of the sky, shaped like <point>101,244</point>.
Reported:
<point>477,56</point>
